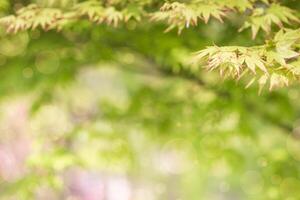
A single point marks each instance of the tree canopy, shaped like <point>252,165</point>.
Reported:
<point>149,99</point>
<point>275,62</point>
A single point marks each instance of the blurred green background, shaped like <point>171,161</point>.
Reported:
<point>101,113</point>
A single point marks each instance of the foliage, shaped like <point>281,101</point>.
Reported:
<point>97,102</point>
<point>238,61</point>
<point>269,57</point>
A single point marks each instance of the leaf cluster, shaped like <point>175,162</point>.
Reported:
<point>275,63</point>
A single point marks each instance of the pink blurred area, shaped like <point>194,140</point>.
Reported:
<point>87,185</point>
<point>15,144</point>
